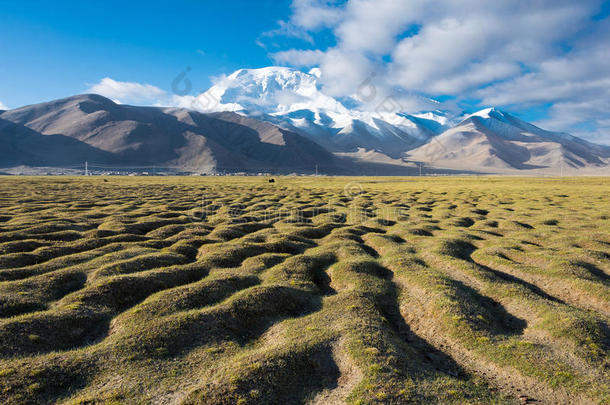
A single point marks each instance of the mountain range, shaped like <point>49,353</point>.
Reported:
<point>279,120</point>
<point>92,128</point>
<point>294,100</point>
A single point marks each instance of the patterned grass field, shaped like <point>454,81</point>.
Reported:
<point>307,290</point>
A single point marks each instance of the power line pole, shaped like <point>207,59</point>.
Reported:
<point>420,165</point>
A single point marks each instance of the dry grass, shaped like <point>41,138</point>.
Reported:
<point>322,290</point>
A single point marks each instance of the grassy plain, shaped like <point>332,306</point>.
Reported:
<point>321,290</point>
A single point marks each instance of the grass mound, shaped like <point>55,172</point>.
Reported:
<point>436,290</point>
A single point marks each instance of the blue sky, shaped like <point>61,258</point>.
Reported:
<point>56,49</point>
<point>545,61</point>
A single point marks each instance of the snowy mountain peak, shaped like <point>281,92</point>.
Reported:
<point>272,79</point>
<point>295,100</point>
<point>277,90</point>
<point>316,72</point>
<point>510,127</point>
<point>261,72</point>
<point>487,113</point>
<point>270,90</point>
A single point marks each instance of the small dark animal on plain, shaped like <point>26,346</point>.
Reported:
<point>271,180</point>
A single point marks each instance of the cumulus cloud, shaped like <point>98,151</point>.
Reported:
<point>587,118</point>
<point>315,14</point>
<point>129,92</point>
<point>372,26</point>
<point>504,53</point>
<point>298,57</point>
<point>149,95</point>
<point>3,106</point>
<point>285,29</point>
<point>345,73</point>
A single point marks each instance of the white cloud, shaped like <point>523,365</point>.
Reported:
<point>344,72</point>
<point>3,106</point>
<point>129,92</point>
<point>571,116</point>
<point>505,52</point>
<point>483,44</point>
<point>285,29</point>
<point>314,14</point>
<point>307,15</point>
<point>298,57</point>
<point>372,26</point>
<point>149,95</point>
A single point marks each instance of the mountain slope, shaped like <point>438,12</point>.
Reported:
<point>20,145</point>
<point>492,139</point>
<point>91,127</point>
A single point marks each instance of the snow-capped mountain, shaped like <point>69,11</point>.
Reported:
<point>489,139</point>
<point>493,139</point>
<point>294,100</point>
